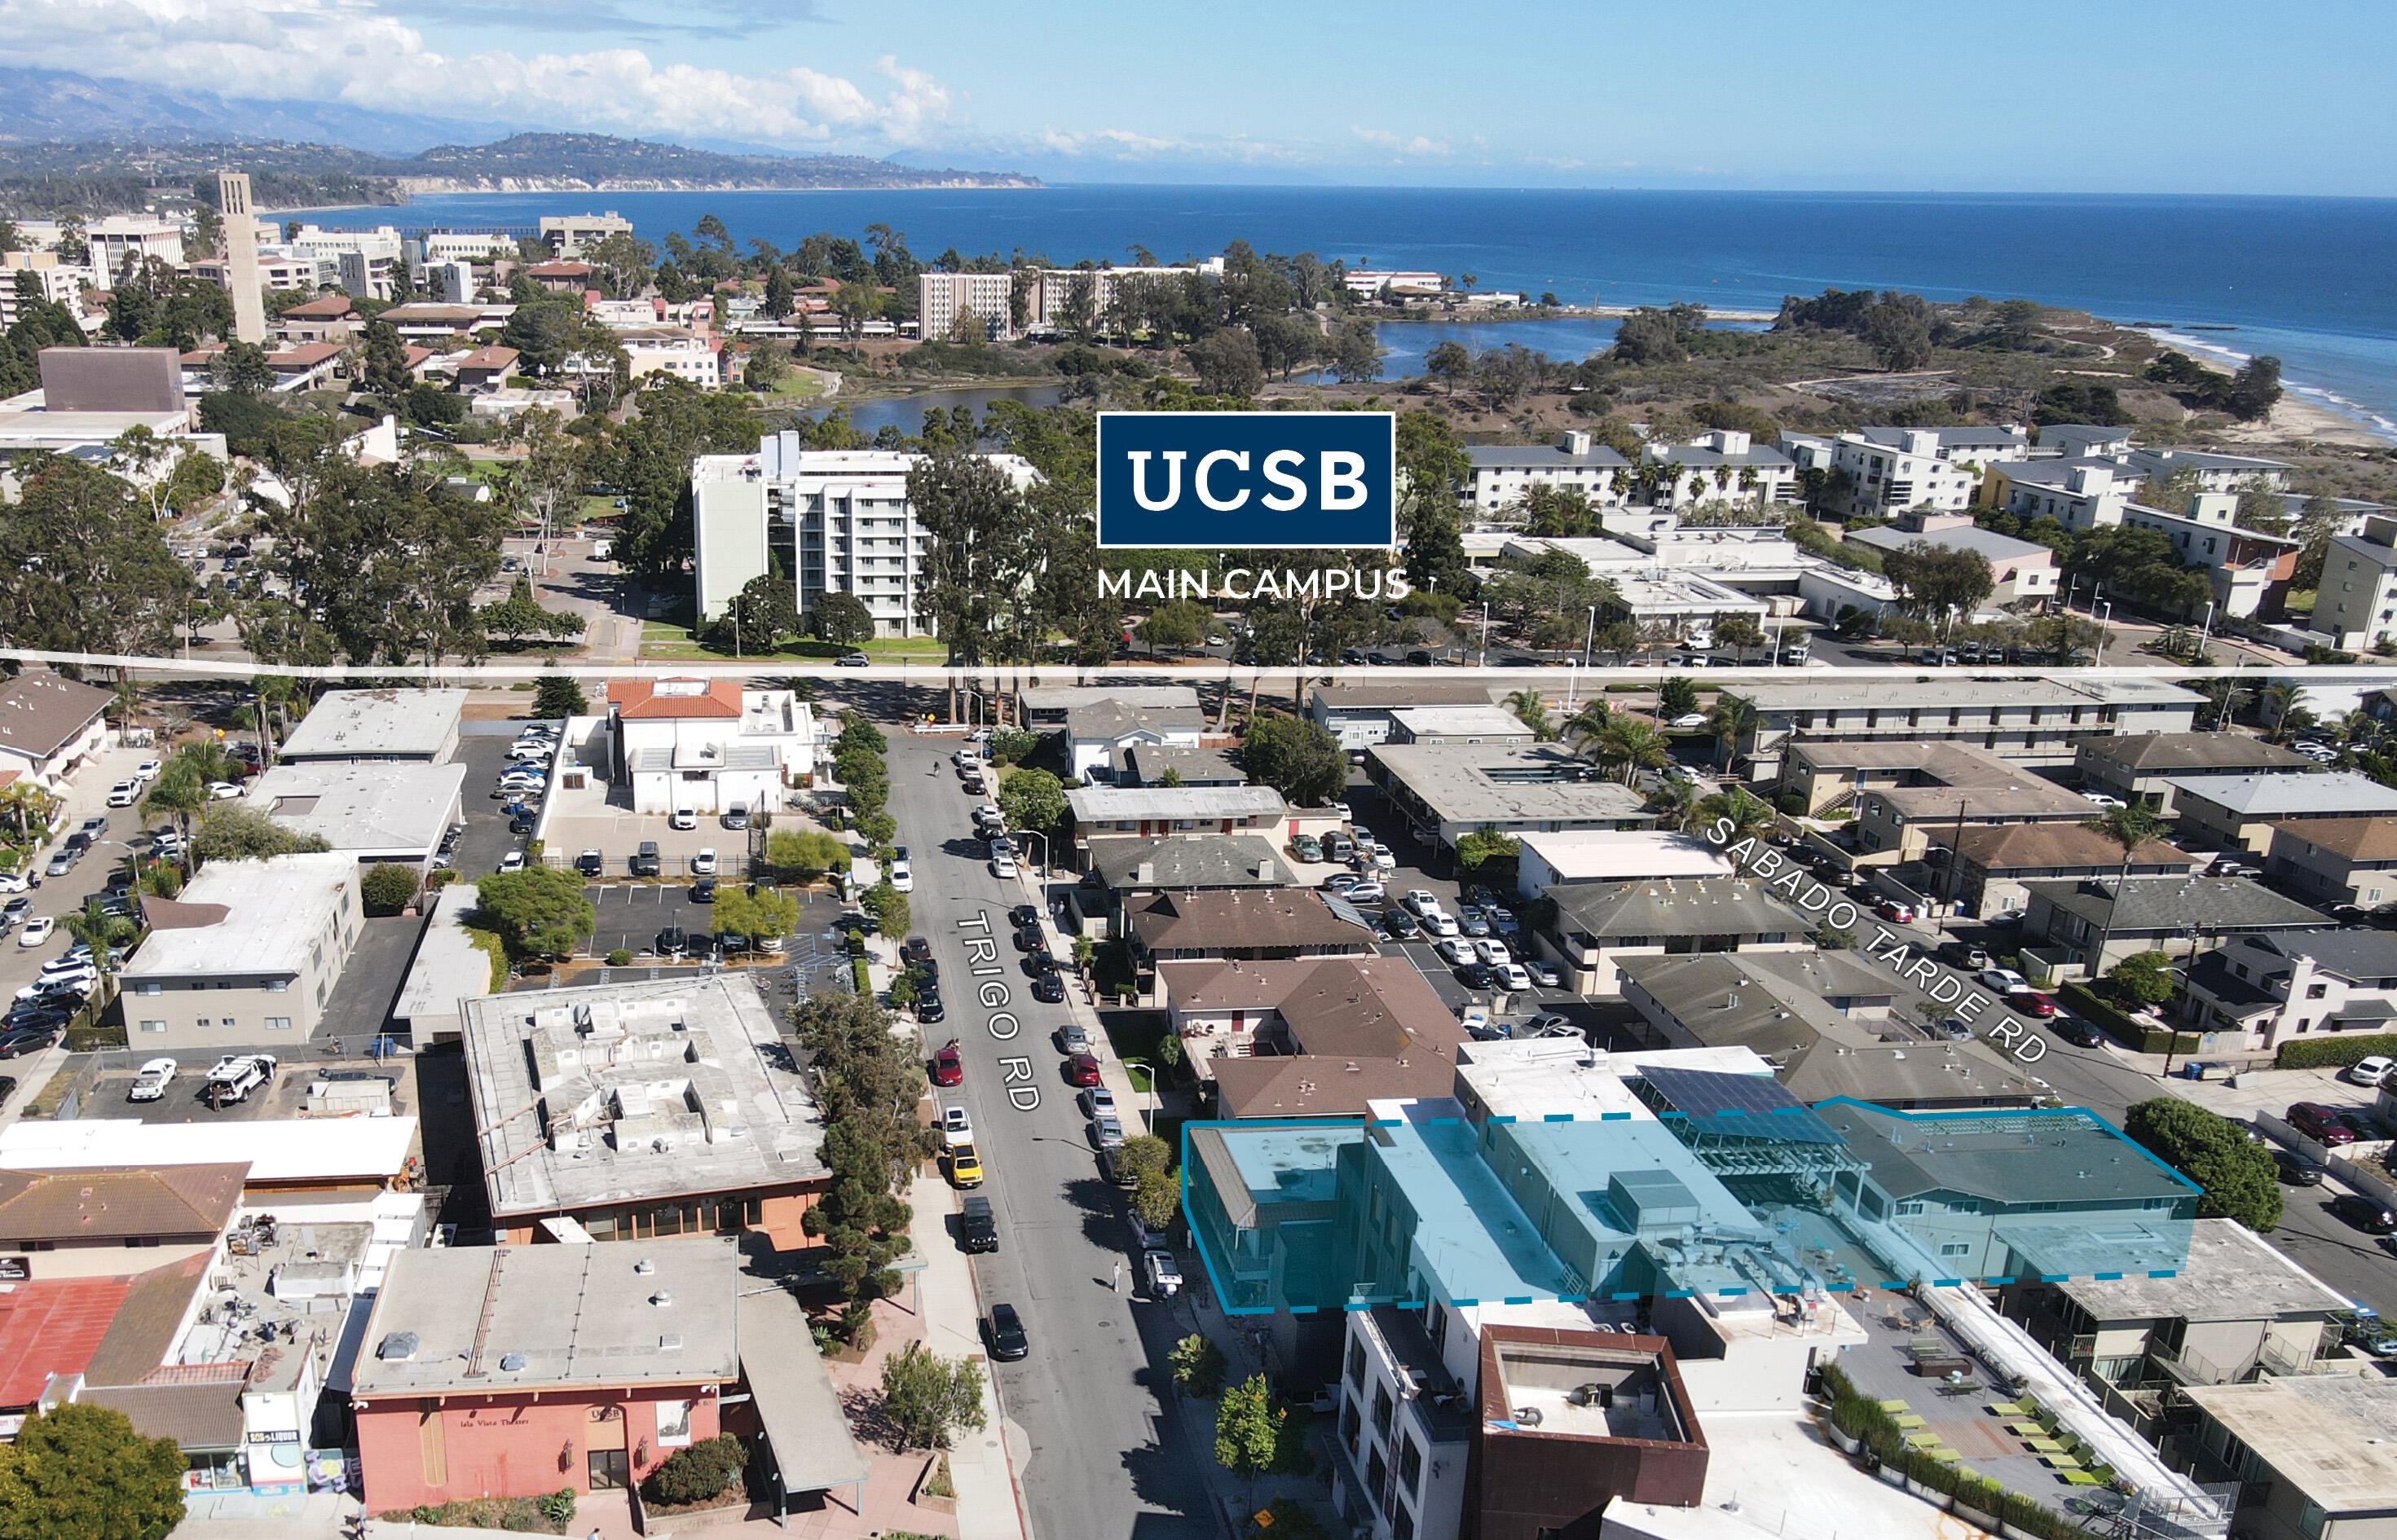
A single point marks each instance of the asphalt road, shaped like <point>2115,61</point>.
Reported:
<point>1105,1453</point>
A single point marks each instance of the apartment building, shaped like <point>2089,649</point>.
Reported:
<point>119,238</point>
<point>1504,473</point>
<point>838,520</point>
<point>2096,922</point>
<point>2142,767</point>
<point>2356,604</point>
<point>1050,296</point>
<point>571,234</point>
<point>2039,721</point>
<point>2279,985</point>
<point>247,954</point>
<point>1597,924</point>
<point>1722,466</point>
<point>2247,570</point>
<point>2235,812</point>
<point>2214,472</point>
<point>1877,472</point>
<point>2079,494</point>
<point>2351,861</point>
<point>2022,569</point>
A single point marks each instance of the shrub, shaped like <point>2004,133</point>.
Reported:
<point>1198,1365</point>
<point>697,1474</point>
<point>387,888</point>
<point>863,980</point>
<point>620,958</point>
<point>2237,1176</point>
<point>2339,1052</point>
<point>558,1507</point>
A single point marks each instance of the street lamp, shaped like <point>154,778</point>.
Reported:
<point>1485,633</point>
<point>1589,640</point>
<point>2106,634</point>
<point>2205,632</point>
<point>1036,833</point>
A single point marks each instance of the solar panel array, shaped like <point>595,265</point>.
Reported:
<point>1752,1107</point>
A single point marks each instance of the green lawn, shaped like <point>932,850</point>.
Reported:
<point>669,639</point>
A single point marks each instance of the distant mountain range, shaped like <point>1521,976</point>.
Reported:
<point>69,143</point>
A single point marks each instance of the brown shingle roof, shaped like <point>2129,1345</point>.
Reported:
<point>2180,753</point>
<point>41,713</point>
<point>2072,847</point>
<point>147,1321</point>
<point>119,1202</point>
<point>1243,920</point>
<point>332,307</point>
<point>196,1416</point>
<point>2351,838</point>
<point>1316,1085</point>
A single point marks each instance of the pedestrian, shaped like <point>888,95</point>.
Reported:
<point>1115,1284</point>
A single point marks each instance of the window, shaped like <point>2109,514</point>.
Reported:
<point>277,986</point>
<point>1955,1248</point>
<point>153,1026</point>
<point>149,986</point>
<point>1350,1422</point>
<point>1410,1463</point>
<point>1382,1407</point>
<point>1911,1206</point>
<point>1377,1475</point>
<point>202,1022</point>
<point>278,1024</point>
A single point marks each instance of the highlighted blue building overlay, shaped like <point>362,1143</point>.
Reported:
<point>1555,1173</point>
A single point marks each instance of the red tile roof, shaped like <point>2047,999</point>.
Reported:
<point>332,307</point>
<point>652,699</point>
<point>53,1326</point>
<point>489,358</point>
<point>559,270</point>
<point>305,355</point>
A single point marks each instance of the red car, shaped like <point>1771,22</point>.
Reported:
<point>2031,1002</point>
<point>2320,1123</point>
<point>1895,912</point>
<point>1082,1069</point>
<point>949,1066</point>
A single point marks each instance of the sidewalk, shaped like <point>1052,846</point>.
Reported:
<point>980,1467</point>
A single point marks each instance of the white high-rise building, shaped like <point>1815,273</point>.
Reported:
<point>835,521</point>
<point>941,296</point>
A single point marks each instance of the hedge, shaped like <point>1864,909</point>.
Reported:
<point>2334,1051</point>
<point>864,980</point>
<point>2112,1020</point>
<point>1859,1417</point>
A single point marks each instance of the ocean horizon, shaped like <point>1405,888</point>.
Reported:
<point>2302,278</point>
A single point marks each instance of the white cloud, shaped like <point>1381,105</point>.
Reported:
<point>1382,138</point>
<point>338,50</point>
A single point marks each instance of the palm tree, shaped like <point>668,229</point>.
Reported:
<point>27,809</point>
<point>2129,826</point>
<point>102,931</point>
<point>1532,713</point>
<point>1587,725</point>
<point>1732,718</point>
<point>2279,698</point>
<point>1749,816</point>
<point>1675,803</point>
<point>1635,744</point>
<point>2227,694</point>
<point>207,760</point>
<point>179,793</point>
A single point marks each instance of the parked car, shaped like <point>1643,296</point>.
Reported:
<point>1114,1172</point>
<point>1895,912</point>
<point>513,862</point>
<point>1098,1102</point>
<point>737,816</point>
<point>965,1166</point>
<point>1340,882</point>
<point>1004,1329</point>
<point>151,1081</point>
<point>1964,955</point>
<point>1512,975</point>
<point>1071,1038</point>
<point>2001,981</point>
<point>1472,921</point>
<point>2032,1002</point>
<point>948,1066</point>
<point>704,891</point>
<point>2369,1215</point>
<point>850,659</point>
<point>1489,949</point>
<point>1367,892</point>
<point>2296,1170</point>
<point>2319,1123</point>
<point>1081,1069</point>
<point>2371,1071</point>
<point>1544,974</point>
<point>1439,924</point>
<point>1107,1131</point>
<point>1164,1278</point>
<point>37,930</point>
<point>591,863</point>
<point>1049,989</point>
<point>2073,1030</point>
<point>672,942</point>
<point>124,793</point>
<point>645,859</point>
<point>1399,924</point>
<point>1456,950</point>
<point>683,818</point>
<point>1002,866</point>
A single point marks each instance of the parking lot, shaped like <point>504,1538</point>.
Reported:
<point>599,817</point>
<point>631,914</point>
<point>185,1101</point>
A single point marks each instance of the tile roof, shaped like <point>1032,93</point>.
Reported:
<point>119,1202</point>
<point>42,713</point>
<point>148,1320</point>
<point>1187,861</point>
<point>53,1326</point>
<point>2351,838</point>
<point>1238,920</point>
<point>202,1416</point>
<point>638,700</point>
<point>488,358</point>
<point>1701,906</point>
<point>1320,1086</point>
<point>332,307</point>
<point>2164,752</point>
<point>2173,903</point>
<point>2018,847</point>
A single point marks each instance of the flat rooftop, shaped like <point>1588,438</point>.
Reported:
<point>1604,855</point>
<point>497,1320</point>
<point>629,1093</point>
<point>448,966</point>
<point>1489,721</point>
<point>1475,783</point>
<point>278,1149</point>
<point>364,807</point>
<point>1117,804</point>
<point>245,917</point>
<point>378,724</point>
<point>1948,689</point>
<point>2328,1435</point>
<point>1046,698</point>
<point>2230,1274</point>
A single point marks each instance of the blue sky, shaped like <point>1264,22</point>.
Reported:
<point>2110,96</point>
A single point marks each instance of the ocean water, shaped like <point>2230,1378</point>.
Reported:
<point>2307,279</point>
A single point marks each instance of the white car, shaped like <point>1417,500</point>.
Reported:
<point>1439,925</point>
<point>903,878</point>
<point>533,749</point>
<point>15,882</point>
<point>1456,950</point>
<point>1002,866</point>
<point>1493,952</point>
<point>124,793</point>
<point>511,861</point>
<point>683,819</point>
<point>1383,861</point>
<point>224,791</point>
<point>704,864</point>
<point>1164,1277</point>
<point>2371,1071</point>
<point>2002,981</point>
<point>1422,903</point>
<point>979,735</point>
<point>147,770</point>
<point>1514,977</point>
<point>37,930</point>
<point>1690,719</point>
<point>150,1083</point>
<point>2101,799</point>
<point>956,1126</point>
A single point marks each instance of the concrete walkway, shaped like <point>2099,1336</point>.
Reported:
<point>1084,1012</point>
<point>981,1466</point>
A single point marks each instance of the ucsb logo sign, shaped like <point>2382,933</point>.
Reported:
<point>1272,479</point>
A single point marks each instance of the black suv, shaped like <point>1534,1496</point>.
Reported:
<point>1005,1329</point>
<point>673,942</point>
